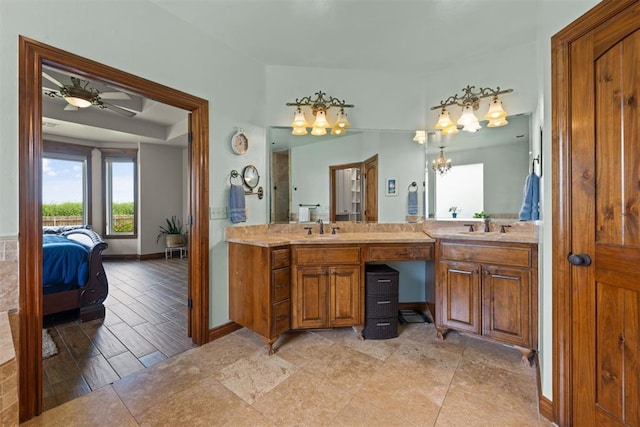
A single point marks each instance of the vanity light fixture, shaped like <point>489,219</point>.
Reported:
<point>470,102</point>
<point>420,136</point>
<point>441,164</point>
<point>319,107</point>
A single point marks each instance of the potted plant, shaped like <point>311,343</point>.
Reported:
<point>173,232</point>
<point>454,211</point>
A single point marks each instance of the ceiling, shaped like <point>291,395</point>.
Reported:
<point>345,34</point>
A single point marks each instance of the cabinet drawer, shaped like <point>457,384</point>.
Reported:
<point>320,254</point>
<point>280,280</point>
<point>279,258</point>
<point>516,256</point>
<point>385,284</point>
<point>380,329</point>
<point>281,316</point>
<point>381,306</point>
<point>400,252</point>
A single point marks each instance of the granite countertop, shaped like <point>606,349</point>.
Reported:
<point>274,239</point>
<point>492,236</point>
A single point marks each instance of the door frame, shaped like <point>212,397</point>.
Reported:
<point>562,311</point>
<point>32,56</point>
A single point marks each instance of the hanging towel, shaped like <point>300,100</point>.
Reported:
<point>530,198</point>
<point>237,212</point>
<point>412,203</point>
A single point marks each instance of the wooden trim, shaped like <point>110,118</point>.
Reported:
<point>32,56</point>
<point>561,207</point>
<point>545,406</point>
<point>157,255</point>
<point>222,330</point>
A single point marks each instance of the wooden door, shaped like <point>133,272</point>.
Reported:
<point>597,216</point>
<point>371,189</point>
<point>311,298</point>
<point>460,306</point>
<point>506,305</point>
<point>344,306</point>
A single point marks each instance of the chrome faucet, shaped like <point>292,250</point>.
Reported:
<point>486,225</point>
<point>321,226</point>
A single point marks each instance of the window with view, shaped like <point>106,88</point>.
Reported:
<point>120,193</point>
<point>65,186</point>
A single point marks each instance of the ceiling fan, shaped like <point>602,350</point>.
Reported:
<point>80,95</point>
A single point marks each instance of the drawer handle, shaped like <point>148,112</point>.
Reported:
<point>383,302</point>
<point>383,324</point>
<point>384,280</point>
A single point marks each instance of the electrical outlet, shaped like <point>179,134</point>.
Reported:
<point>219,212</point>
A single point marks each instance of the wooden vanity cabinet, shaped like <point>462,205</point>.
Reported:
<point>326,288</point>
<point>259,289</point>
<point>489,289</point>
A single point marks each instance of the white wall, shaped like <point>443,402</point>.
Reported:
<point>160,191</point>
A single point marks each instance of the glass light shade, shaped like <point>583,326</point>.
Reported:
<point>472,127</point>
<point>299,120</point>
<point>321,120</point>
<point>299,131</point>
<point>444,121</point>
<point>497,123</point>
<point>78,102</point>
<point>495,110</point>
<point>467,116</point>
<point>420,136</point>
<point>318,131</point>
<point>336,130</point>
<point>451,130</point>
<point>342,121</point>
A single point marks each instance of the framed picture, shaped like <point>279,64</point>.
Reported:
<point>391,187</point>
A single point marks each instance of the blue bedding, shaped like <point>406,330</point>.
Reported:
<point>65,264</point>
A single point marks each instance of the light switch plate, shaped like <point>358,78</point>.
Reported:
<point>219,212</point>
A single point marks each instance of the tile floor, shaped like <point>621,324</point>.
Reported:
<point>320,378</point>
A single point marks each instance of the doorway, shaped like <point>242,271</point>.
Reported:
<point>32,56</point>
<point>353,191</point>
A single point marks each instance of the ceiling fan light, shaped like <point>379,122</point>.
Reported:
<point>77,102</point>
<point>444,121</point>
<point>321,120</point>
<point>299,130</point>
<point>318,131</point>
<point>495,110</point>
<point>420,136</point>
<point>299,120</point>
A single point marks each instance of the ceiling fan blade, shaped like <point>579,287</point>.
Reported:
<point>70,107</point>
<point>52,80</point>
<point>114,95</point>
<point>118,110</point>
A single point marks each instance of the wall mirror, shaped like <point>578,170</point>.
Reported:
<point>300,168</point>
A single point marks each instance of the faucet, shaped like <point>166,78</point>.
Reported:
<point>486,225</point>
<point>321,226</point>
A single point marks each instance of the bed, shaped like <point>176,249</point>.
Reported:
<point>73,276</point>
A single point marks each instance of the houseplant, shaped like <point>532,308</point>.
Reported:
<point>454,211</point>
<point>173,232</point>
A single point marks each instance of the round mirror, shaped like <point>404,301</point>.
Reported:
<point>250,176</point>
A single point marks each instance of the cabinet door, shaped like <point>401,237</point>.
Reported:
<point>311,298</point>
<point>344,308</point>
<point>506,304</point>
<point>460,305</point>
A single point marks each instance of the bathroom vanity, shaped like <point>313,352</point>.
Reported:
<point>486,283</point>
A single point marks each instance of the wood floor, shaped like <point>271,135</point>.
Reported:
<point>145,323</point>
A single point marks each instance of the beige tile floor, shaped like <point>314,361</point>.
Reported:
<point>320,378</point>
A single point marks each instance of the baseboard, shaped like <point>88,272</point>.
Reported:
<point>151,256</point>
<point>222,330</point>
<point>545,406</point>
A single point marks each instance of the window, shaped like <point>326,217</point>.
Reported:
<point>66,178</point>
<point>120,192</point>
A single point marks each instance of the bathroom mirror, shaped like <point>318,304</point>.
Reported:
<point>299,167</point>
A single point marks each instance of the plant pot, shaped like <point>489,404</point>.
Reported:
<point>175,240</point>
<point>454,214</point>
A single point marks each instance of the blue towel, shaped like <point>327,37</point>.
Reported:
<point>530,198</point>
<point>412,203</point>
<point>237,212</point>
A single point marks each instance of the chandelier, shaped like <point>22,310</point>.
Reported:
<point>441,164</point>
<point>470,102</point>
<point>319,108</point>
